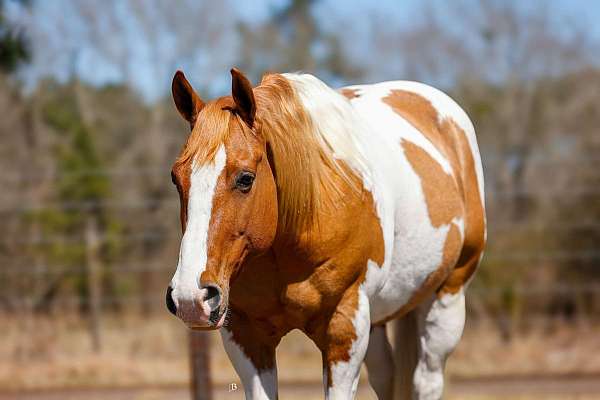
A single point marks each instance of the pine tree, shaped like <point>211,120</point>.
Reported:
<point>14,46</point>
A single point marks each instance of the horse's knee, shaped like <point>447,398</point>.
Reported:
<point>441,325</point>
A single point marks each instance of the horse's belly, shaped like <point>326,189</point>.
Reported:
<point>414,247</point>
<point>415,269</point>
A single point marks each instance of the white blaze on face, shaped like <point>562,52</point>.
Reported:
<point>193,251</point>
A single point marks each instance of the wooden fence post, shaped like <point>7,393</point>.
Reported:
<point>201,382</point>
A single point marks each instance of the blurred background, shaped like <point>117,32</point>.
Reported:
<point>89,217</point>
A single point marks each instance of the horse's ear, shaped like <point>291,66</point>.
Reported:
<point>241,90</point>
<point>188,103</point>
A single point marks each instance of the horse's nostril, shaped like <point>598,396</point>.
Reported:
<point>213,296</point>
<point>213,318</point>
<point>170,303</point>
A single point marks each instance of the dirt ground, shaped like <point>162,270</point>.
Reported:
<point>513,388</point>
<point>146,358</point>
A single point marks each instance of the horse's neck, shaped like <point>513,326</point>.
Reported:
<point>345,220</point>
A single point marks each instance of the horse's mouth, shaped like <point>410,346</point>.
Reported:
<point>216,320</point>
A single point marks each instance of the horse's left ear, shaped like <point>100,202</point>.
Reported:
<point>188,103</point>
<point>241,90</point>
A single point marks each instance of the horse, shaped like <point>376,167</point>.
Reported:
<point>332,212</point>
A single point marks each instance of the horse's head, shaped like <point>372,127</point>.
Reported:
<point>228,199</point>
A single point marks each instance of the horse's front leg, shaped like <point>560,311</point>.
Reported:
<point>253,359</point>
<point>345,345</point>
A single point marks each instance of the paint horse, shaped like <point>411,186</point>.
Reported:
<point>332,212</point>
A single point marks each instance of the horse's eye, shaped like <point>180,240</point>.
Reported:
<point>244,180</point>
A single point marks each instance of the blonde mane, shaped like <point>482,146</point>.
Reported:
<point>315,158</point>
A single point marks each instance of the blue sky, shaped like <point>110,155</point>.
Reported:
<point>61,33</point>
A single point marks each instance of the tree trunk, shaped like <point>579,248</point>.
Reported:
<point>94,280</point>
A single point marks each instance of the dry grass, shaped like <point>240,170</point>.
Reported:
<point>56,352</point>
<point>549,348</point>
<point>52,352</point>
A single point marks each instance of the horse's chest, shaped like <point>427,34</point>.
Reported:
<point>283,296</point>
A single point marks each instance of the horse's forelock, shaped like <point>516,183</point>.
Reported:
<point>209,133</point>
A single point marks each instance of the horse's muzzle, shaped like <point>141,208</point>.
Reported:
<point>201,308</point>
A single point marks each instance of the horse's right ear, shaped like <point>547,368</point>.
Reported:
<point>188,103</point>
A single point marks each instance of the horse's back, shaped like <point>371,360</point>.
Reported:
<point>409,98</point>
<point>430,194</point>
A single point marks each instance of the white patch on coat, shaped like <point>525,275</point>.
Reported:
<point>345,374</point>
<point>257,385</point>
<point>193,250</point>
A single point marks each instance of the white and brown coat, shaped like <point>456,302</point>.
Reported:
<point>366,204</point>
